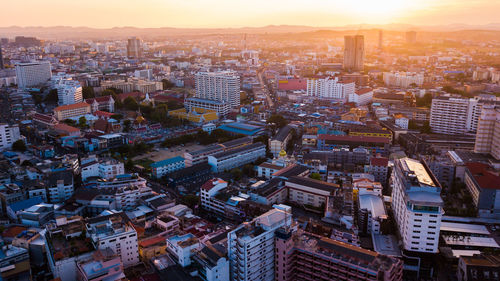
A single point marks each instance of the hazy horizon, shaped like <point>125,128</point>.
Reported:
<point>239,13</point>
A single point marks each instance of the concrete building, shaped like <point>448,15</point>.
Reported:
<point>305,256</point>
<point>68,91</point>
<point>417,205</point>
<point>182,247</point>
<point>134,49</point>
<point>280,141</point>
<point>354,52</point>
<point>251,246</point>
<point>105,103</point>
<point>307,191</point>
<point>221,107</point>
<point>488,132</point>
<point>72,110</point>
<point>14,263</point>
<point>483,184</point>
<point>379,168</point>
<point>371,213</point>
<point>33,73</point>
<point>361,96</point>
<point>114,232</point>
<point>330,88</point>
<point>208,192</point>
<point>101,266</point>
<point>220,86</point>
<point>455,116</point>
<point>8,135</point>
<point>484,267</point>
<point>60,186</point>
<point>403,79</point>
<point>238,157</point>
<point>161,168</point>
<point>213,265</point>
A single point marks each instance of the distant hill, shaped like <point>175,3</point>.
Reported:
<point>67,32</point>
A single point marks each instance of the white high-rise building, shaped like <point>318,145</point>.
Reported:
<point>220,86</point>
<point>488,132</point>
<point>8,135</point>
<point>251,245</point>
<point>33,73</point>
<point>454,116</point>
<point>69,92</point>
<point>116,233</point>
<point>417,205</point>
<point>330,88</point>
<point>403,79</point>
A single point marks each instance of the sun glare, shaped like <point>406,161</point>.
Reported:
<point>379,9</point>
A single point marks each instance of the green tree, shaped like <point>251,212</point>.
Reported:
<point>126,125</point>
<point>278,121</point>
<point>190,200</point>
<point>426,128</point>
<point>88,92</point>
<point>82,122</point>
<point>426,100</point>
<point>52,96</point>
<point>236,173</point>
<point>69,122</point>
<point>167,84</point>
<point>131,104</point>
<point>117,116</point>
<point>129,164</point>
<point>315,176</point>
<point>19,145</point>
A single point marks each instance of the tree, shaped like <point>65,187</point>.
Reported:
<point>19,145</point>
<point>167,84</point>
<point>315,176</point>
<point>236,173</point>
<point>126,125</point>
<point>129,164</point>
<point>52,96</point>
<point>82,122</point>
<point>426,128</point>
<point>117,116</point>
<point>426,100</point>
<point>69,122</point>
<point>131,104</point>
<point>278,121</point>
<point>88,92</point>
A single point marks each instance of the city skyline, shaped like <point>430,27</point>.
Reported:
<point>224,14</point>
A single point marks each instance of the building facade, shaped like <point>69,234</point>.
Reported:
<point>33,73</point>
<point>330,88</point>
<point>354,52</point>
<point>220,86</point>
<point>8,135</point>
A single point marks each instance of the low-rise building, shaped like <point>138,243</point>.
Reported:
<point>483,185</point>
<point>280,140</point>
<point>72,110</point>
<point>101,266</point>
<point>14,263</point>
<point>479,267</point>
<point>234,158</point>
<point>161,168</point>
<point>307,191</point>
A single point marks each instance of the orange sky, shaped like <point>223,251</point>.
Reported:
<point>239,13</point>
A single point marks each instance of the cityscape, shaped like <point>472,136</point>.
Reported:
<point>246,144</point>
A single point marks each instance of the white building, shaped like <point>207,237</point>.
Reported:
<point>33,73</point>
<point>251,246</point>
<point>488,132</point>
<point>220,86</point>
<point>69,91</point>
<point>144,74</point>
<point>234,158</point>
<point>208,191</point>
<point>361,96</point>
<point>401,121</point>
<point>403,79</point>
<point>329,88</point>
<point>221,107</point>
<point>106,168</point>
<point>417,205</point>
<point>60,186</point>
<point>8,135</point>
<point>117,233</point>
<point>371,212</point>
<point>182,247</point>
<point>213,265</point>
<point>161,168</point>
<point>454,116</point>
<point>307,191</point>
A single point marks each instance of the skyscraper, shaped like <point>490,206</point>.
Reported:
<point>222,86</point>
<point>488,132</point>
<point>380,39</point>
<point>134,49</point>
<point>33,73</point>
<point>354,52</point>
<point>1,57</point>
<point>411,37</point>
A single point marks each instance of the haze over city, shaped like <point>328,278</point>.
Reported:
<point>197,140</point>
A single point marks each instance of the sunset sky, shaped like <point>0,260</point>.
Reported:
<point>239,13</point>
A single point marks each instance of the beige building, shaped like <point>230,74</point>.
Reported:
<point>307,191</point>
<point>71,110</point>
<point>488,132</point>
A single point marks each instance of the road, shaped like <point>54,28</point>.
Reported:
<point>265,89</point>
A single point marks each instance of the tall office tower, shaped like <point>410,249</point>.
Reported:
<point>329,88</point>
<point>488,132</point>
<point>1,57</point>
<point>417,205</point>
<point>454,116</point>
<point>251,245</point>
<point>380,39</point>
<point>134,49</point>
<point>69,92</point>
<point>33,73</point>
<point>411,37</point>
<point>354,52</point>
<point>220,86</point>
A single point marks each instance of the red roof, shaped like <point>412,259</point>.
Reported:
<point>211,183</point>
<point>43,117</point>
<point>135,95</point>
<point>354,138</point>
<point>66,128</point>
<point>379,161</point>
<point>71,106</point>
<point>13,231</point>
<point>482,174</point>
<point>151,241</point>
<point>103,113</point>
<point>103,99</point>
<point>292,84</point>
<point>363,91</point>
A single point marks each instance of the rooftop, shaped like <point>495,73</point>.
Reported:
<point>72,106</point>
<point>167,162</point>
<point>483,175</point>
<point>317,184</point>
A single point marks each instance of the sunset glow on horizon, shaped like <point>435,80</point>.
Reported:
<point>239,13</point>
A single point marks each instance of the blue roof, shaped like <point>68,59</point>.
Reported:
<point>241,128</point>
<point>167,162</point>
<point>122,176</point>
<point>25,204</point>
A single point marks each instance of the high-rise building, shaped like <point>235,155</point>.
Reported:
<point>403,79</point>
<point>1,58</point>
<point>354,52</point>
<point>251,245</point>
<point>417,205</point>
<point>488,132</point>
<point>306,256</point>
<point>411,37</point>
<point>454,116</point>
<point>380,39</point>
<point>22,41</point>
<point>69,92</point>
<point>8,135</point>
<point>329,88</point>
<point>134,49</point>
<point>220,86</point>
<point>33,73</point>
